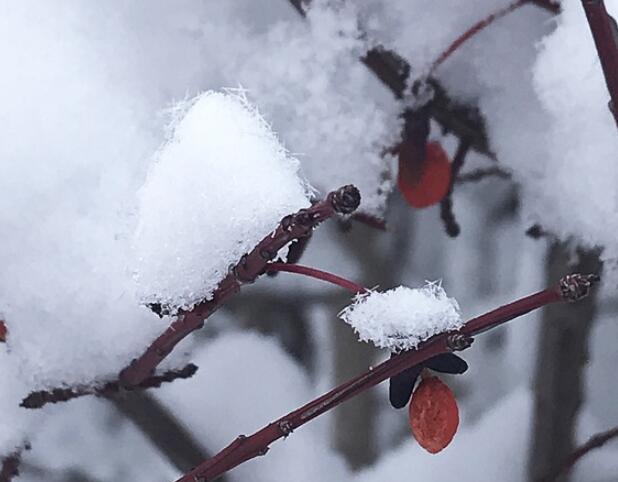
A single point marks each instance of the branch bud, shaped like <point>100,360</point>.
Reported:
<point>345,200</point>
<point>574,287</point>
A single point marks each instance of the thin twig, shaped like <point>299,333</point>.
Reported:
<point>344,200</point>
<point>472,31</point>
<point>482,173</point>
<point>446,205</point>
<point>571,288</point>
<point>43,397</point>
<point>486,22</point>
<point>317,274</point>
<point>605,33</point>
<point>595,442</point>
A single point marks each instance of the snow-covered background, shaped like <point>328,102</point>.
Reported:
<point>146,145</point>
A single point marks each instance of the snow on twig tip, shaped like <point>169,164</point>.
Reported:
<point>401,318</point>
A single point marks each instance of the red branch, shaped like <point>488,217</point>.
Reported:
<point>318,274</point>
<point>476,28</point>
<point>596,441</point>
<point>605,33</point>
<point>294,226</point>
<point>571,288</point>
<point>43,397</point>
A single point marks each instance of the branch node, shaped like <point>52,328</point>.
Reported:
<point>345,200</point>
<point>574,287</point>
<point>458,341</point>
<point>286,428</point>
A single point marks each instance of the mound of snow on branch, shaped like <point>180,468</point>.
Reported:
<point>324,103</point>
<point>220,184</point>
<point>401,318</point>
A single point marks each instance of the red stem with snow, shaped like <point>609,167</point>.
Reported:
<point>571,288</point>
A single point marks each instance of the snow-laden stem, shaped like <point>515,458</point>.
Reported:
<point>43,397</point>
<point>351,286</point>
<point>571,288</point>
<point>344,200</point>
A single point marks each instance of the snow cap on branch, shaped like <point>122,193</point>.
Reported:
<point>401,318</point>
<point>220,184</point>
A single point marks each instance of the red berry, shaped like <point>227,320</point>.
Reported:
<point>2,331</point>
<point>428,183</point>
<point>434,416</point>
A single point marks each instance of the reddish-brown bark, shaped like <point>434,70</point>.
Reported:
<point>344,200</point>
<point>244,448</point>
<point>43,397</point>
<point>318,274</point>
<point>605,33</point>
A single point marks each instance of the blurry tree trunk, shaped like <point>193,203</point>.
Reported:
<point>382,258</point>
<point>354,421</point>
<point>162,429</point>
<point>560,368</point>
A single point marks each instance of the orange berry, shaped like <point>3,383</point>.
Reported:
<point>427,184</point>
<point>433,413</point>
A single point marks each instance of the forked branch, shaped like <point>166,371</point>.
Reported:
<point>344,200</point>
<point>595,442</point>
<point>43,397</point>
<point>571,288</point>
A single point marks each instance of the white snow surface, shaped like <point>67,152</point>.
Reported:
<point>577,194</point>
<point>219,185</point>
<point>401,318</point>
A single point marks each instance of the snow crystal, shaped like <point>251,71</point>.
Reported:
<point>401,318</point>
<point>220,184</point>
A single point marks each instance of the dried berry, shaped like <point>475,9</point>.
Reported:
<point>401,385</point>
<point>2,331</point>
<point>434,416</point>
<point>427,184</point>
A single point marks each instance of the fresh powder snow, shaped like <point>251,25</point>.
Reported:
<point>219,185</point>
<point>401,318</point>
